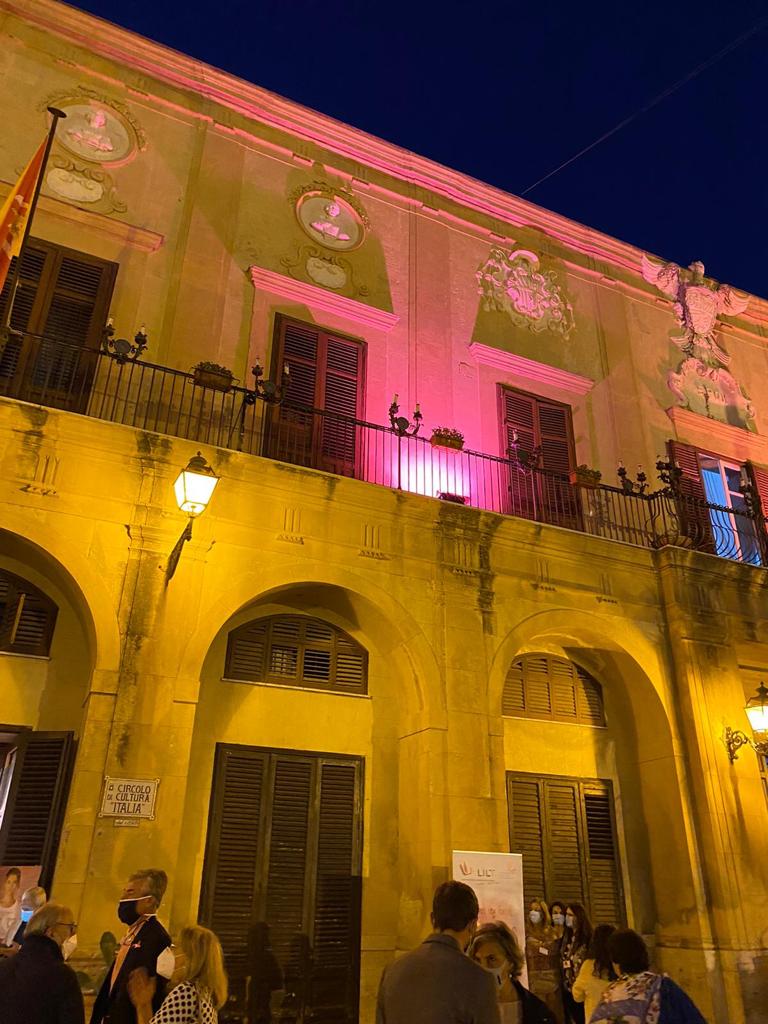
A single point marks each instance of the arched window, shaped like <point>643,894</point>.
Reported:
<point>27,617</point>
<point>296,651</point>
<point>542,686</point>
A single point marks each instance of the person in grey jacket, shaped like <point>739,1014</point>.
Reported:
<point>437,983</point>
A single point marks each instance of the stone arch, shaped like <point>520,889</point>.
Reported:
<point>53,553</point>
<point>661,845</point>
<point>361,608</point>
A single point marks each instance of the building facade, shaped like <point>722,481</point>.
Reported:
<point>376,647</point>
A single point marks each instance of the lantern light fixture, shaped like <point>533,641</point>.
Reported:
<point>757,712</point>
<point>193,487</point>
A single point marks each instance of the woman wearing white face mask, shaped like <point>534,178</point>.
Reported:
<point>36,986</point>
<point>542,954</point>
<point>496,949</point>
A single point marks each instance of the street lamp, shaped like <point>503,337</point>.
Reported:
<point>193,487</point>
<point>757,712</point>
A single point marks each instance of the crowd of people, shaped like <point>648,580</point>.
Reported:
<point>465,974</point>
<point>461,974</point>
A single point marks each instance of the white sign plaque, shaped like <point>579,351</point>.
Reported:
<point>129,799</point>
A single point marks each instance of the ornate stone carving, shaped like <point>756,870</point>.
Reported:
<point>513,283</point>
<point>333,272</point>
<point>702,381</point>
<point>330,215</point>
<point>98,129</point>
<point>83,186</point>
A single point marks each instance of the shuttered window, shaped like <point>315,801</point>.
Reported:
<point>297,651</point>
<point>283,860</point>
<point>62,300</point>
<point>327,374</point>
<point>564,828</point>
<point>36,801</point>
<point>544,425</point>
<point>27,617</point>
<point>542,686</point>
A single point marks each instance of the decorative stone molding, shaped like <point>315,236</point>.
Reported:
<point>529,369</point>
<point>702,381</point>
<point>318,298</point>
<point>513,283</point>
<point>728,441</point>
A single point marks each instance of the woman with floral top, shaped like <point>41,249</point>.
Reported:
<point>573,952</point>
<point>639,995</point>
<point>196,999</point>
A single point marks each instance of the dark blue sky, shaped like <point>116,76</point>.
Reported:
<point>506,91</point>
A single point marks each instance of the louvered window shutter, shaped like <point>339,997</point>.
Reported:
<point>759,477</point>
<point>37,800</point>
<point>602,863</point>
<point>33,271</point>
<point>527,832</point>
<point>299,351</point>
<point>692,508</point>
<point>563,853</point>
<point>545,687</point>
<point>555,438</point>
<point>288,851</point>
<point>342,401</point>
<point>246,648</point>
<point>27,617</point>
<point>336,936</point>
<point>232,850</point>
<point>519,421</point>
<point>565,831</point>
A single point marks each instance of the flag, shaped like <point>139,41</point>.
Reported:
<point>15,212</point>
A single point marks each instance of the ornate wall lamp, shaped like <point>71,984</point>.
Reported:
<point>757,713</point>
<point>122,350</point>
<point>401,425</point>
<point>194,487</point>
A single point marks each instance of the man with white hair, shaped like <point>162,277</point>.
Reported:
<point>36,986</point>
<point>146,944</point>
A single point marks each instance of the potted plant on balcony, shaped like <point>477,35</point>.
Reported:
<point>447,437</point>
<point>583,476</point>
<point>211,375</point>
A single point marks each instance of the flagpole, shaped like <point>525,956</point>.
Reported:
<point>56,116</point>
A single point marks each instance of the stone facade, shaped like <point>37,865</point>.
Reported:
<point>201,184</point>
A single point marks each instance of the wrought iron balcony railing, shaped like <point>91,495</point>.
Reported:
<point>158,399</point>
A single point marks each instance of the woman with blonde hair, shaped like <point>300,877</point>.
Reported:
<point>197,998</point>
<point>497,950</point>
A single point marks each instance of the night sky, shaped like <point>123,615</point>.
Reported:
<point>508,91</point>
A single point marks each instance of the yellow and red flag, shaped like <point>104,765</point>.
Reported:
<point>15,212</point>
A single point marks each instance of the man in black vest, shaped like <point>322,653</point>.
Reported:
<point>146,944</point>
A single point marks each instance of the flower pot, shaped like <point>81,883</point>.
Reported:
<point>584,479</point>
<point>213,380</point>
<point>446,442</point>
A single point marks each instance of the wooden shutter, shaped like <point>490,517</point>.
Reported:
<point>692,510</point>
<point>564,828</point>
<point>555,437</point>
<point>545,687</point>
<point>564,849</point>
<point>526,831</point>
<point>299,651</point>
<point>602,862</point>
<point>336,932</point>
<point>235,834</point>
<point>27,617</point>
<point>759,477</point>
<point>283,854</point>
<point>35,267</point>
<point>37,800</point>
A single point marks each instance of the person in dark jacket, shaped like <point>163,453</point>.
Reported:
<point>146,944</point>
<point>436,983</point>
<point>36,986</point>
<point>498,952</point>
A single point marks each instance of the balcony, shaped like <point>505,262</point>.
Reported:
<point>154,398</point>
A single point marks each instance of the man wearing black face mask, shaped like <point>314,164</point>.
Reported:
<point>146,944</point>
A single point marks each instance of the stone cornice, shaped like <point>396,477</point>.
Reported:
<point>316,297</point>
<point>529,369</point>
<point>193,76</point>
<point>730,442</point>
